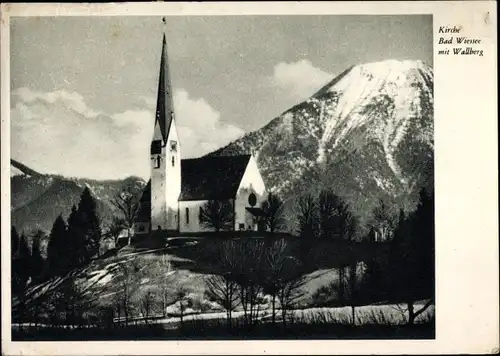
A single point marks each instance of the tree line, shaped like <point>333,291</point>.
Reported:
<point>71,244</point>
<point>248,269</point>
<point>315,215</point>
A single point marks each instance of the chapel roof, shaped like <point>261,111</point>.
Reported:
<point>212,177</point>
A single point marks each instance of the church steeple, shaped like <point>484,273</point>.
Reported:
<point>164,103</point>
<point>165,154</point>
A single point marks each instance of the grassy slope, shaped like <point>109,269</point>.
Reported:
<point>105,276</point>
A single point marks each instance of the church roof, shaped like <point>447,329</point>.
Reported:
<point>255,211</point>
<point>212,177</point>
<point>164,102</point>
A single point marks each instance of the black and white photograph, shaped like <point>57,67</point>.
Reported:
<point>189,176</point>
<point>234,177</point>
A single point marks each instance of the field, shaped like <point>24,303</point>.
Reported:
<point>184,264</point>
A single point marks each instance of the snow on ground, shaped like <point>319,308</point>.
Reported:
<point>369,314</point>
<point>102,276</point>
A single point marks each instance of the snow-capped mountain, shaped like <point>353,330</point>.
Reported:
<point>368,135</point>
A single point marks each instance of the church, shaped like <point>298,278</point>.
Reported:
<point>178,190</point>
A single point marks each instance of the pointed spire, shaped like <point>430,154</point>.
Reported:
<point>164,103</point>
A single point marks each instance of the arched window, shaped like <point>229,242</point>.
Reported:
<point>157,161</point>
<point>252,199</point>
<point>173,161</point>
<point>187,216</point>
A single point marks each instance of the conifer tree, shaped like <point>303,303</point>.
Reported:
<point>22,264</point>
<point>57,248</point>
<point>273,212</point>
<point>15,275</point>
<point>88,221</point>
<point>14,242</point>
<point>412,257</point>
<point>37,261</point>
<point>76,243</point>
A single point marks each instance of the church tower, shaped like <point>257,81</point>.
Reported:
<point>165,155</point>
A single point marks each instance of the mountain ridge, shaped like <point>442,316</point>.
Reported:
<point>367,135</point>
<point>37,199</point>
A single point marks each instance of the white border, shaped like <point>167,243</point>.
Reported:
<point>466,184</point>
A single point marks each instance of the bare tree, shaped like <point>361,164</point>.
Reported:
<point>349,226</point>
<point>127,202</point>
<point>353,289</point>
<point>306,210</point>
<point>180,295</point>
<point>335,217</point>
<point>224,291</point>
<point>146,304</point>
<point>223,287</point>
<point>382,222</point>
<point>273,212</point>
<point>217,215</point>
<point>290,288</point>
<point>130,271</point>
<point>114,229</point>
<point>273,271</point>
<point>248,276</point>
<point>164,269</point>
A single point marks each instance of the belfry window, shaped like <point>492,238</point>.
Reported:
<point>173,146</point>
<point>156,147</point>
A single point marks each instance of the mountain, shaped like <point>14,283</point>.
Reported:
<point>367,135</point>
<point>37,199</point>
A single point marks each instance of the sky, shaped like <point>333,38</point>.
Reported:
<point>83,89</point>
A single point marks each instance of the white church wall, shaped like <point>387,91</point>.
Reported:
<point>194,216</point>
<point>166,182</point>
<point>158,174</point>
<point>173,176</point>
<point>251,182</point>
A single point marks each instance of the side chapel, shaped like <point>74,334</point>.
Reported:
<point>179,188</point>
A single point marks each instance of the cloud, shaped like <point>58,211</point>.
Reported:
<point>301,79</point>
<point>200,128</point>
<point>57,132</point>
<point>72,100</point>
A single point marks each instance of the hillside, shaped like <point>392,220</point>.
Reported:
<point>367,135</point>
<point>37,199</point>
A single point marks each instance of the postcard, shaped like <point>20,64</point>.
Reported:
<point>249,178</point>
